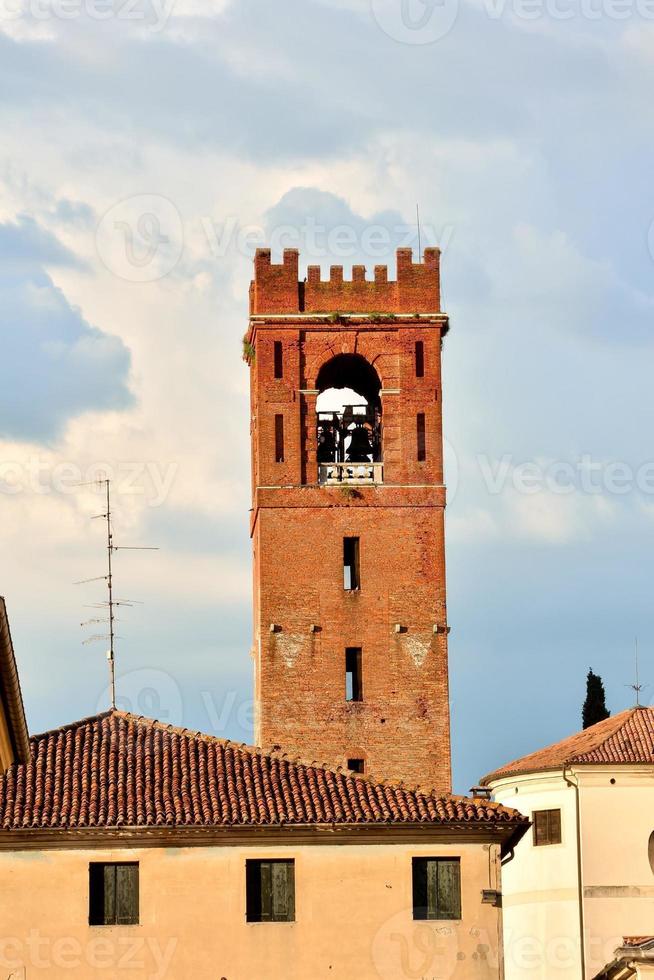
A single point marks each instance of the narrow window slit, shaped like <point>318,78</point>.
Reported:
<point>351,574</point>
<point>279,359</point>
<point>420,359</point>
<point>353,674</point>
<point>420,433</point>
<point>279,438</point>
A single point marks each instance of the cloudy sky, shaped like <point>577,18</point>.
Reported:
<point>147,148</point>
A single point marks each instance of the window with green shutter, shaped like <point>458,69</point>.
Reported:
<point>113,894</point>
<point>270,887</point>
<point>436,888</point>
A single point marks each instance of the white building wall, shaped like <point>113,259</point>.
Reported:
<point>540,886</point>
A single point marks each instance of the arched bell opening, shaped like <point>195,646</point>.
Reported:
<point>349,421</point>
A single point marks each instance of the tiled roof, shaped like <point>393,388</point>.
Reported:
<point>625,738</point>
<point>119,770</point>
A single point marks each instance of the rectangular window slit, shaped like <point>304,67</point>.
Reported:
<point>351,578</point>
<point>420,359</point>
<point>356,765</point>
<point>420,433</point>
<point>436,888</point>
<point>279,438</point>
<point>279,361</point>
<point>270,889</point>
<point>353,678</point>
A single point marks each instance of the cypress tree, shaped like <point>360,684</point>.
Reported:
<point>594,709</point>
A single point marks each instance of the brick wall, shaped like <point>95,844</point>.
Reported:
<point>401,728</point>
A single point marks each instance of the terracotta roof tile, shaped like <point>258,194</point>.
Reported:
<point>626,738</point>
<point>119,770</point>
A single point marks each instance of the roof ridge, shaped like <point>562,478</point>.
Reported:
<point>576,748</point>
<point>624,717</point>
<point>70,726</point>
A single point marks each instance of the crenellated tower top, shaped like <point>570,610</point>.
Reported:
<point>276,289</point>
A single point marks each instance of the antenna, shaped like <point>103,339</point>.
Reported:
<point>637,686</point>
<point>418,224</point>
<point>110,603</point>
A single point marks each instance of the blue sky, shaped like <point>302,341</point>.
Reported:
<point>148,149</point>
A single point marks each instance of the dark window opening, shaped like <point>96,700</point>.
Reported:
<point>356,765</point>
<point>436,888</point>
<point>420,359</point>
<point>279,359</point>
<point>547,827</point>
<point>279,438</point>
<point>353,678</point>
<point>113,894</point>
<point>351,576</point>
<point>420,433</point>
<point>270,888</point>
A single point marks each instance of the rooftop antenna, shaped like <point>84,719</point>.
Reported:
<point>110,603</point>
<point>637,686</point>
<point>418,224</point>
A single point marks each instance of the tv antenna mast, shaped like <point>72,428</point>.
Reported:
<point>637,686</point>
<point>110,603</point>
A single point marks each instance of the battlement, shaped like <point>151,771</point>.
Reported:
<point>277,290</point>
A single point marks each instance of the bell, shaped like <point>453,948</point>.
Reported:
<point>359,449</point>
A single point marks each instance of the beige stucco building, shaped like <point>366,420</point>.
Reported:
<point>583,878</point>
<point>125,843</point>
<point>14,745</point>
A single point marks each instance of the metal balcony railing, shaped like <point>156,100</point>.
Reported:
<point>330,474</point>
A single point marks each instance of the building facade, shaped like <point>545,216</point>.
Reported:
<point>128,846</point>
<point>583,878</point>
<point>14,744</point>
<point>350,618</point>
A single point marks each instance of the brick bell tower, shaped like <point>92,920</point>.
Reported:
<point>347,522</point>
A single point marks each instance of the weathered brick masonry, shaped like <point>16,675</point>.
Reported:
<point>304,618</point>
